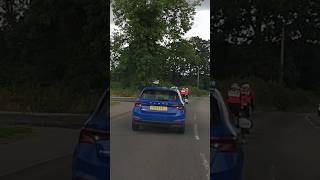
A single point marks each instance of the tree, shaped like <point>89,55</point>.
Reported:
<point>252,31</point>
<point>145,27</point>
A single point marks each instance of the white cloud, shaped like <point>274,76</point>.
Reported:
<point>201,26</point>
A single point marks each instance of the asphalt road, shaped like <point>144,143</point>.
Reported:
<point>59,168</point>
<point>159,153</point>
<point>282,146</point>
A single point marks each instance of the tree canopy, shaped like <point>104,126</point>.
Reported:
<point>54,43</point>
<point>251,30</point>
<point>149,44</point>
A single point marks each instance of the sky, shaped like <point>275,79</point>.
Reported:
<point>201,24</point>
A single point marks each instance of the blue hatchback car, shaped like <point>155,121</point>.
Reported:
<point>226,153</point>
<point>159,106</point>
<point>91,158</point>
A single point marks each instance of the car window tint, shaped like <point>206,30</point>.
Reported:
<point>214,110</point>
<point>104,106</point>
<point>225,113</point>
<point>160,95</point>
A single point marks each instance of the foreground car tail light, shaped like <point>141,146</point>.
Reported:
<point>137,104</point>
<point>223,144</point>
<point>88,136</point>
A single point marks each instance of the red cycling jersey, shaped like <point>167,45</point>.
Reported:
<point>233,97</point>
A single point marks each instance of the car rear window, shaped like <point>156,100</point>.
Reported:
<point>160,95</point>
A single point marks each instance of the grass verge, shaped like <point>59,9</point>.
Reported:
<point>47,99</point>
<point>15,132</point>
<point>114,103</point>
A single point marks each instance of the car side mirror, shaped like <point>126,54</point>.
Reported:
<point>244,123</point>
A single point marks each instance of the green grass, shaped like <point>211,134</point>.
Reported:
<point>15,132</point>
<point>46,99</point>
<point>130,92</point>
<point>123,92</point>
<point>114,103</point>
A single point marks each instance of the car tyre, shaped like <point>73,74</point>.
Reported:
<point>135,127</point>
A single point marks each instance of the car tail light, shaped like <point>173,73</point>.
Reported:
<point>88,136</point>
<point>137,104</point>
<point>223,144</point>
<point>180,107</point>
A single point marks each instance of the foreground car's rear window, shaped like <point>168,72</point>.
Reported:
<point>160,95</point>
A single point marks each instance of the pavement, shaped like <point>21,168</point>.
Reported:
<point>161,153</point>
<point>283,145</point>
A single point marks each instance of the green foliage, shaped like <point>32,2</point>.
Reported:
<point>47,99</point>
<point>13,132</point>
<point>124,92</point>
<point>55,57</point>
<point>149,44</point>
<point>247,40</point>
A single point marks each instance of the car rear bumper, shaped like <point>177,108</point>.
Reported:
<point>231,174</point>
<point>172,123</point>
<point>90,168</point>
<point>84,170</point>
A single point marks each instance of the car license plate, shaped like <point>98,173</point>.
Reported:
<point>159,108</point>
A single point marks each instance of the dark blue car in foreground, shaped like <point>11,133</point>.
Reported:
<point>159,106</point>
<point>226,154</point>
<point>91,159</point>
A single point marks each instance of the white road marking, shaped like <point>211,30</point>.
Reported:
<point>196,134</point>
<point>205,163</point>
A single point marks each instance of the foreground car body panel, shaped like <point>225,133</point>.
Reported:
<point>226,160</point>
<point>168,112</point>
<point>91,159</point>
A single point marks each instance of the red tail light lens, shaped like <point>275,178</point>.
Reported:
<point>137,104</point>
<point>180,107</point>
<point>88,136</point>
<point>223,144</point>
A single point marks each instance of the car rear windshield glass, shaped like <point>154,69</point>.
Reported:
<point>160,95</point>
